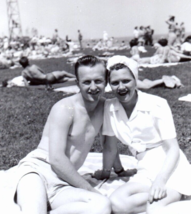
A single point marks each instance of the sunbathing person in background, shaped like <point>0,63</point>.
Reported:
<point>6,62</point>
<point>181,53</point>
<point>163,54</point>
<point>136,49</point>
<point>160,56</point>
<point>35,75</point>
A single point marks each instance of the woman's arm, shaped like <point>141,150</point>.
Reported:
<point>157,190</point>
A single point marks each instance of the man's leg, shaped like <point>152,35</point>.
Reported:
<point>31,195</point>
<point>74,200</point>
<point>130,198</point>
<point>60,77</point>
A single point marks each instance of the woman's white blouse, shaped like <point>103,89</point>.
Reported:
<point>150,123</point>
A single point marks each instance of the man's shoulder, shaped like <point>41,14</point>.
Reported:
<point>24,72</point>
<point>65,103</point>
<point>63,110</point>
<point>33,67</point>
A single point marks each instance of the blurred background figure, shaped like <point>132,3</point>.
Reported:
<point>149,36</point>
<point>182,31</point>
<point>136,32</point>
<point>172,30</point>
<point>80,37</point>
<point>105,38</point>
<point>141,39</point>
<point>55,37</point>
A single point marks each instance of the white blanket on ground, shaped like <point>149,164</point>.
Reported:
<point>73,89</point>
<point>158,65</point>
<point>186,98</point>
<point>92,163</point>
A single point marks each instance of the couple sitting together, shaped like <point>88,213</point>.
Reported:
<point>48,179</point>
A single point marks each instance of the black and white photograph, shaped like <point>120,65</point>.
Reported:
<point>95,102</point>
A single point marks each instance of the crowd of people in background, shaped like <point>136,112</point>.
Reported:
<point>41,47</point>
<point>36,47</point>
<point>144,35</point>
<point>173,48</point>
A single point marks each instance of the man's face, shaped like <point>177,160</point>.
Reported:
<point>91,81</point>
<point>123,84</point>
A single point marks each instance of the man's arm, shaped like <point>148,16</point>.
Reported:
<point>157,190</point>
<point>168,22</point>
<point>61,118</point>
<point>67,74</point>
<point>110,152</point>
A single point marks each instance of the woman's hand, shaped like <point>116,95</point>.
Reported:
<point>157,191</point>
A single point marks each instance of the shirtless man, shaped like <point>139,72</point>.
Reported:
<point>52,169</point>
<point>35,75</point>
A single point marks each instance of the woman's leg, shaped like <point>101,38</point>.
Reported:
<point>31,195</point>
<point>130,198</point>
<point>171,39</point>
<point>144,60</point>
<point>147,84</point>
<point>74,200</point>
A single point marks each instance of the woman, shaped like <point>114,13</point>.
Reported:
<point>143,122</point>
<point>172,30</point>
<point>160,56</point>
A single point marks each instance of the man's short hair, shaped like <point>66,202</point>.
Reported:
<point>172,18</point>
<point>133,42</point>
<point>90,61</point>
<point>163,42</point>
<point>12,63</point>
<point>24,61</point>
<point>187,39</point>
<point>5,83</point>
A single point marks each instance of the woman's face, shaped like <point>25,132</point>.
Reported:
<point>123,84</point>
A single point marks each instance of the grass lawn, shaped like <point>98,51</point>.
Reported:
<point>23,111</point>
